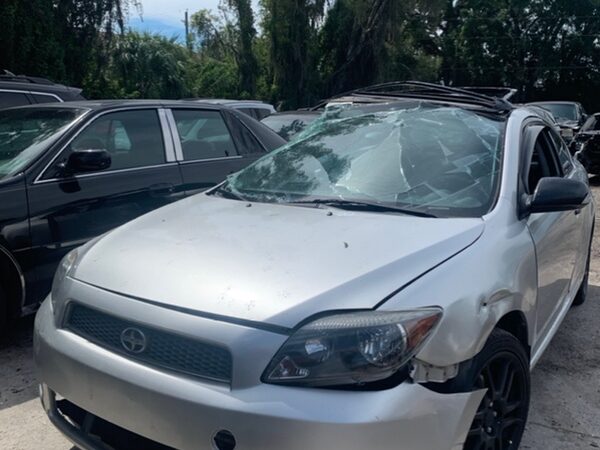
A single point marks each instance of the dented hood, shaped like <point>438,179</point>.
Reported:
<point>272,263</point>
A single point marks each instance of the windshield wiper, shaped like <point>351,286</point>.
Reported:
<point>356,205</point>
<point>226,193</point>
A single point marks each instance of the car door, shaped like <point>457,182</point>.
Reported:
<point>556,235</point>
<point>68,210</point>
<point>210,145</point>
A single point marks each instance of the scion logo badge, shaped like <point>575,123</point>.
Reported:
<point>133,340</point>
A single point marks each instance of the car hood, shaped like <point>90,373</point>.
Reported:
<point>271,263</point>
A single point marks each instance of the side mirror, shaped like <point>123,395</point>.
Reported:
<point>555,194</point>
<point>90,160</point>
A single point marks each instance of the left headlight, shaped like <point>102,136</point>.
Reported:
<point>351,348</point>
<point>64,269</point>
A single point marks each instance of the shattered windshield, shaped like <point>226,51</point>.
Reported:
<point>26,132</point>
<point>434,159</point>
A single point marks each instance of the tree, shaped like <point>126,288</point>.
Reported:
<point>291,30</point>
<point>225,50</point>
<point>65,40</point>
<point>144,65</point>
<point>245,57</point>
<point>546,48</point>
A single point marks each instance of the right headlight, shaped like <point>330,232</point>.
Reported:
<point>351,348</point>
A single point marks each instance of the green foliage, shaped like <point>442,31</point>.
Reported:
<point>143,65</point>
<point>291,28</point>
<point>305,50</point>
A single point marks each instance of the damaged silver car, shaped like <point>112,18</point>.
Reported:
<point>385,281</point>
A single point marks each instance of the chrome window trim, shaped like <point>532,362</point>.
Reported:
<point>39,180</point>
<point>167,135</point>
<point>47,95</point>
<point>175,134</point>
<point>18,91</point>
<point>224,158</point>
<point>109,172</point>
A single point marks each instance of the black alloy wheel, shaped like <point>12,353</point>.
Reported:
<point>500,419</point>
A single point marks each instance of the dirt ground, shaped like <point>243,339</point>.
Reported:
<point>565,405</point>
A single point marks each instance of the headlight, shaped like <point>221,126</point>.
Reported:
<point>351,348</point>
<point>64,269</point>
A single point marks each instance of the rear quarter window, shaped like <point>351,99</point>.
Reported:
<point>9,99</point>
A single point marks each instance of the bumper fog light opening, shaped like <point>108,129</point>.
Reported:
<point>223,440</point>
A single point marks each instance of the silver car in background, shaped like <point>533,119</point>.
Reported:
<point>386,281</point>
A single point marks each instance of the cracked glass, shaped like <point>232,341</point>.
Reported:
<point>442,160</point>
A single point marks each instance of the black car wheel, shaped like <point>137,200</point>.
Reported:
<point>502,367</point>
<point>583,289</point>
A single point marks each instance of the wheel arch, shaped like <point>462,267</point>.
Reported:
<point>12,281</point>
<point>515,323</point>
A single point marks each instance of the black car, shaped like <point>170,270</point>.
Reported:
<point>586,144</point>
<point>72,171</point>
<point>289,123</point>
<point>22,90</point>
<point>569,115</point>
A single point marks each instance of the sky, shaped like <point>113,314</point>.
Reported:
<point>166,16</point>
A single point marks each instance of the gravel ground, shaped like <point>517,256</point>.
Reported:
<point>565,406</point>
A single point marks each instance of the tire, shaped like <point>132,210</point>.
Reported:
<point>581,295</point>
<point>502,367</point>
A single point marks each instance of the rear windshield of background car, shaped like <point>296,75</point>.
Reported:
<point>561,111</point>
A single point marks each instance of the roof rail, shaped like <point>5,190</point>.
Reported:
<point>506,93</point>
<point>431,91</point>
<point>9,76</point>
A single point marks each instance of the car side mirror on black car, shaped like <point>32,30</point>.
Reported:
<point>554,194</point>
<point>90,160</point>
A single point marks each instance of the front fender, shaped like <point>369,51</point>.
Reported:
<point>476,288</point>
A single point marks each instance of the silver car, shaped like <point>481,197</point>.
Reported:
<point>387,281</point>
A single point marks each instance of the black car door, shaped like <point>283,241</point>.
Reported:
<point>66,211</point>
<point>211,144</point>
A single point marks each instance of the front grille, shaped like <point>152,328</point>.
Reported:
<point>162,349</point>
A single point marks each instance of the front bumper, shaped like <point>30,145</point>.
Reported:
<point>186,413</point>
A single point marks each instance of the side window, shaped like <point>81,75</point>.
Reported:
<point>203,134</point>
<point>564,157</point>
<point>133,138</point>
<point>249,111</point>
<point>544,161</point>
<point>41,98</point>
<point>247,144</point>
<point>261,113</point>
<point>8,99</point>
